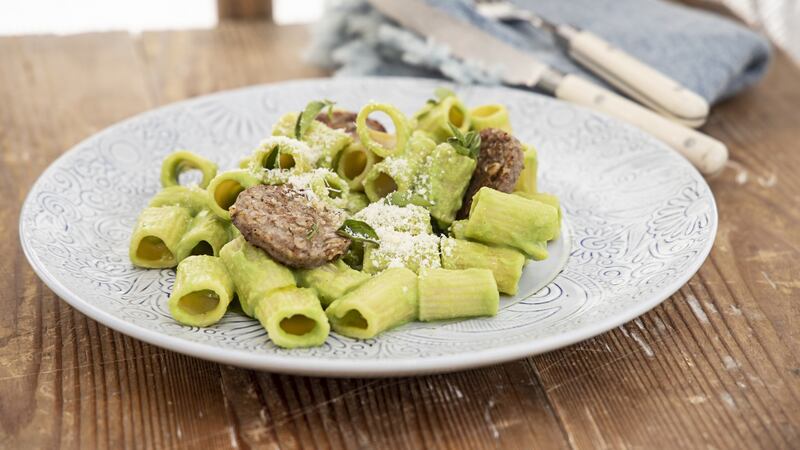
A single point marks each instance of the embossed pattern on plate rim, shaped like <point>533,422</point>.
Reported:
<point>384,367</point>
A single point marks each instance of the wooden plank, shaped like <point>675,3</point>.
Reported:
<point>244,9</point>
<point>714,366</point>
<point>454,411</point>
<point>65,380</point>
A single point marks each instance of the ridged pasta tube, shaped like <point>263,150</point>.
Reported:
<point>448,294</point>
<point>192,198</point>
<point>202,291</point>
<point>420,147</point>
<point>393,174</point>
<point>180,161</point>
<point>293,318</point>
<point>354,164</point>
<point>381,143</point>
<point>436,119</point>
<point>283,153</point>
<point>330,281</point>
<point>505,263</point>
<point>511,220</point>
<point>155,237</point>
<point>382,302</point>
<point>319,137</point>
<point>449,173</point>
<point>527,178</point>
<point>328,186</point>
<point>254,273</point>
<point>490,116</point>
<point>356,201</point>
<point>225,187</point>
<point>205,235</point>
<point>548,199</point>
<point>457,228</point>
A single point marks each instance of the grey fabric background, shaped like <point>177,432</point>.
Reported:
<point>709,54</point>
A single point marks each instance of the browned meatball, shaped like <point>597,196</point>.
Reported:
<point>346,120</point>
<point>500,162</point>
<point>292,229</point>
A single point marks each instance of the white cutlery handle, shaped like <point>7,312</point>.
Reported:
<point>637,79</point>
<point>706,153</point>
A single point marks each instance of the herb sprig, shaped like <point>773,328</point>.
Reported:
<point>358,231</point>
<point>308,115</point>
<point>468,144</point>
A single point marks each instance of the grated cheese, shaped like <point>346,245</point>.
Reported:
<point>411,219</point>
<point>406,239</point>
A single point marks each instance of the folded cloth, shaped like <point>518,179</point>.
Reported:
<point>709,54</point>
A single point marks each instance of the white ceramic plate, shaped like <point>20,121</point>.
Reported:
<point>642,221</point>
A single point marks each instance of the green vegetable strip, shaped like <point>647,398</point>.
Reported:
<point>226,187</point>
<point>183,160</point>
<point>505,263</point>
<point>435,120</point>
<point>205,235</point>
<point>318,136</point>
<point>527,178</point>
<point>490,116</point>
<point>202,291</point>
<point>449,174</point>
<point>155,237</point>
<point>378,142</point>
<point>354,164</point>
<point>254,274</point>
<point>548,199</point>
<point>448,294</point>
<point>293,318</point>
<point>192,198</point>
<point>330,281</point>
<point>510,220</point>
<point>382,302</point>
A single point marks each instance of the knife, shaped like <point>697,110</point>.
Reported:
<point>518,68</point>
<point>638,80</point>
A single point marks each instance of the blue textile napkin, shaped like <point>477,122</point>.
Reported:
<point>709,54</point>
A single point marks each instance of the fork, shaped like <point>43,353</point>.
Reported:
<point>625,72</point>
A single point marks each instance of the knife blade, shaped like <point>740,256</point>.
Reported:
<point>464,41</point>
<point>518,68</point>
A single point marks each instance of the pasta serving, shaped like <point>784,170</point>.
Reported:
<point>338,222</point>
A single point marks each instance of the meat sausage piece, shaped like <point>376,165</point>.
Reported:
<point>346,120</point>
<point>292,229</point>
<point>500,162</point>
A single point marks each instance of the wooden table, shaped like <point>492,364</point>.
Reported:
<point>715,366</point>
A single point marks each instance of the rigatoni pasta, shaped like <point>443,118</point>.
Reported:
<point>506,264</point>
<point>202,291</point>
<point>383,302</point>
<point>182,161</point>
<point>205,235</point>
<point>510,220</point>
<point>293,317</point>
<point>340,225</point>
<point>449,294</point>
<point>490,116</point>
<point>225,187</point>
<point>254,273</point>
<point>158,230</point>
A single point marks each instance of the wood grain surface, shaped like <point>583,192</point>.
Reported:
<point>715,366</point>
